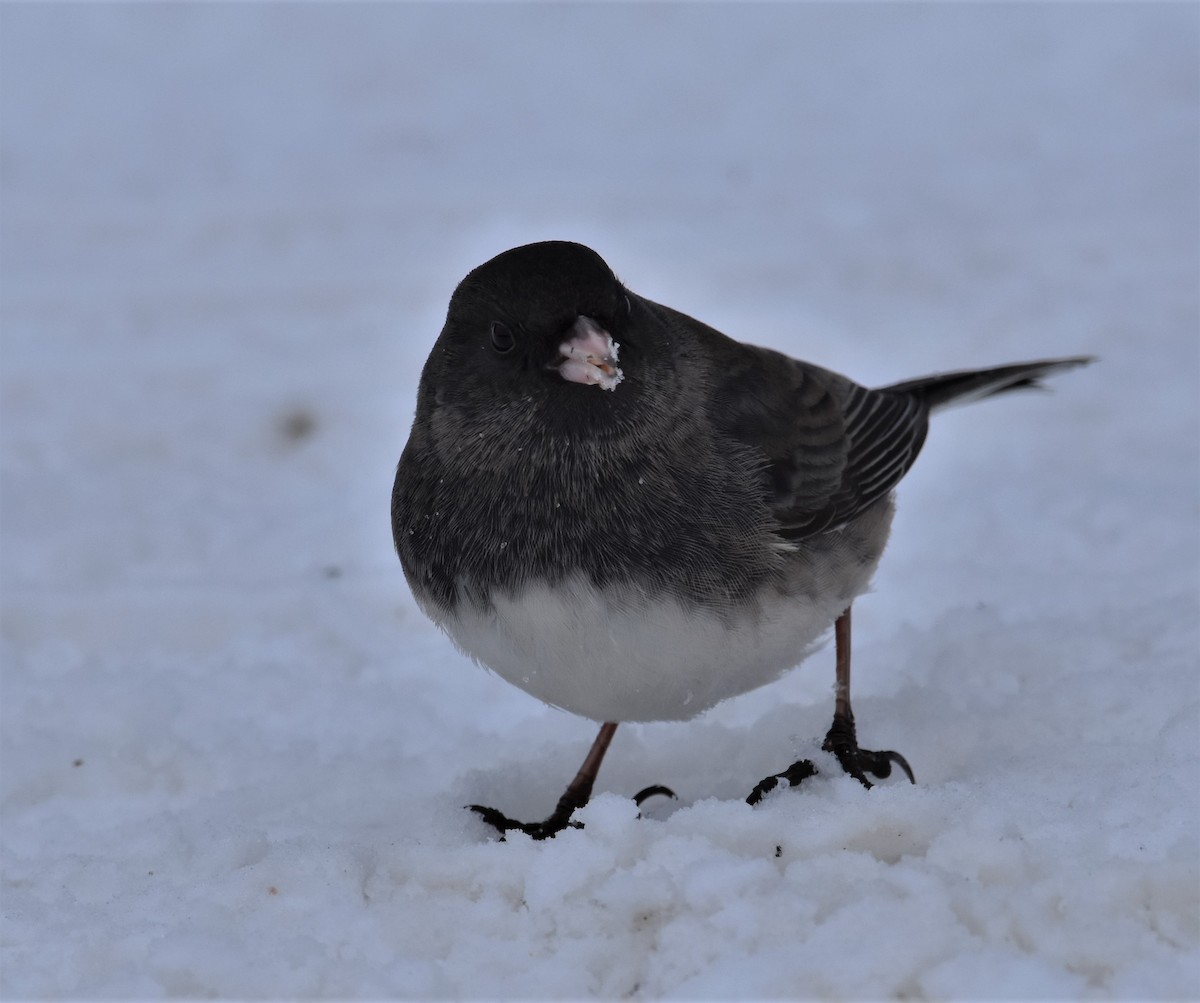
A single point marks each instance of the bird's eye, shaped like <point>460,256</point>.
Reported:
<point>503,340</point>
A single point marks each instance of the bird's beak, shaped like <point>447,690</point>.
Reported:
<point>589,356</point>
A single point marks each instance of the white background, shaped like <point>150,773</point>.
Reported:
<point>234,752</point>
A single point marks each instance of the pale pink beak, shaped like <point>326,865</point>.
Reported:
<point>589,356</point>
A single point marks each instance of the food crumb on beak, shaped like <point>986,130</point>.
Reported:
<point>589,356</point>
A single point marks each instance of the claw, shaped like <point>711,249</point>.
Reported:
<point>842,741</point>
<point>547,829</point>
<point>653,791</point>
<point>559,820</point>
<point>794,774</point>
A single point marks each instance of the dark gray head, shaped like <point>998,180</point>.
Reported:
<point>546,323</point>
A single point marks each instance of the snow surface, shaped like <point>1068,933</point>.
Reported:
<point>234,752</point>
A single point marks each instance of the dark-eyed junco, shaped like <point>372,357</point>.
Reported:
<point>631,516</point>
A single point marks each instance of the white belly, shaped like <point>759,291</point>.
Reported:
<point>640,660</point>
<point>622,655</point>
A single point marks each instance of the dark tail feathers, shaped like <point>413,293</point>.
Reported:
<point>975,384</point>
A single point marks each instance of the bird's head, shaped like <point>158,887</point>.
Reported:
<point>542,321</point>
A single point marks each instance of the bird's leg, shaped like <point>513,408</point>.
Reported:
<point>577,794</point>
<point>841,739</point>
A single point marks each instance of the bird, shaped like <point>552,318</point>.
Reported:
<point>634,517</point>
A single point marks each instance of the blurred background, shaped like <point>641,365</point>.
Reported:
<point>229,233</point>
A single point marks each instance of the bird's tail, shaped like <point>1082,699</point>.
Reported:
<point>975,384</point>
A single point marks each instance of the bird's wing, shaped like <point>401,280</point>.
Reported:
<point>882,433</point>
<point>832,448</point>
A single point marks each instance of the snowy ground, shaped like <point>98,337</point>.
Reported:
<point>235,754</point>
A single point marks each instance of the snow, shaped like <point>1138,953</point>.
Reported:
<point>235,754</point>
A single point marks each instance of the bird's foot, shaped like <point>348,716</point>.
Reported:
<point>546,829</point>
<point>842,741</point>
<point>559,819</point>
<point>794,774</point>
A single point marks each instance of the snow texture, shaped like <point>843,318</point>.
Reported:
<point>235,754</point>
